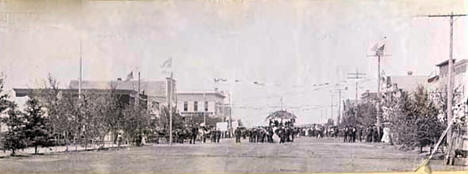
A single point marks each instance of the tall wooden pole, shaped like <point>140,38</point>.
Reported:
<point>169,103</point>
<point>449,155</point>
<point>81,73</point>
<point>378,98</point>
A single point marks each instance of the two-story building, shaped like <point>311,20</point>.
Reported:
<point>203,104</point>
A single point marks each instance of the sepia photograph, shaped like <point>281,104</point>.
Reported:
<point>233,86</point>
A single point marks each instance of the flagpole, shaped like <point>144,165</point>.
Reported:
<point>81,73</point>
<point>170,108</point>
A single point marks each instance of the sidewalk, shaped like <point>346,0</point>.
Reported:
<point>59,149</point>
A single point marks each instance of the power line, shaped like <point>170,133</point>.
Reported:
<point>356,76</point>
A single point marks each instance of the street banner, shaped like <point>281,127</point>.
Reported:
<point>222,126</point>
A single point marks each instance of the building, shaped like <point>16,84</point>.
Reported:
<point>368,96</point>
<point>203,103</point>
<point>156,92</point>
<point>408,83</point>
<point>438,85</point>
<point>125,96</point>
<point>459,79</point>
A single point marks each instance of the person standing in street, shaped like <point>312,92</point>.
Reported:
<point>237,132</point>
<point>218,135</point>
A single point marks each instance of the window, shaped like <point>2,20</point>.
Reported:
<point>206,106</point>
<point>185,106</point>
<point>195,106</point>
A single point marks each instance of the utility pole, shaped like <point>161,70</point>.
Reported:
<point>331,108</point>
<point>379,53</point>
<point>138,95</point>
<point>339,107</point>
<point>356,77</point>
<point>204,114</point>
<point>281,103</point>
<point>339,104</point>
<point>321,114</point>
<point>138,82</point>
<point>449,156</point>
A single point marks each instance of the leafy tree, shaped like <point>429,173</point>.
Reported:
<point>4,103</point>
<point>135,123</point>
<point>14,138</point>
<point>113,112</point>
<point>428,126</point>
<point>36,127</point>
<point>366,114</point>
<point>50,98</point>
<point>413,119</point>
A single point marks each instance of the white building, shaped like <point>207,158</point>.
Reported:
<point>200,103</point>
<point>438,84</point>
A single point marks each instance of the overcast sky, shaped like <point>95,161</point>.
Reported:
<point>288,46</point>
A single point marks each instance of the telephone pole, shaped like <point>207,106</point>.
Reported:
<point>449,156</point>
<point>281,103</point>
<point>379,53</point>
<point>339,89</point>
<point>204,111</point>
<point>356,76</point>
<point>331,108</point>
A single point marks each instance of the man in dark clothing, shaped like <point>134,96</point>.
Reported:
<point>282,135</point>
<point>360,134</point>
<point>194,133</point>
<point>270,135</point>
<point>345,131</point>
<point>376,135</point>
<point>218,136</point>
<point>237,132</point>
<point>370,134</point>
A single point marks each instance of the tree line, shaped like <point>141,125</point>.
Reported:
<point>55,118</point>
<point>415,119</point>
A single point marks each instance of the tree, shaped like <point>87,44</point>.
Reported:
<point>366,114</point>
<point>113,112</point>
<point>135,123</point>
<point>396,106</point>
<point>428,126</point>
<point>36,127</point>
<point>413,119</point>
<point>50,98</point>
<point>4,103</point>
<point>14,138</point>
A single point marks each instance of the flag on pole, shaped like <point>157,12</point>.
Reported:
<point>129,76</point>
<point>166,66</point>
<point>379,47</point>
<point>167,63</point>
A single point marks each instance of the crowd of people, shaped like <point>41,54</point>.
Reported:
<point>267,134</point>
<point>191,134</point>
<point>349,133</point>
<point>275,132</point>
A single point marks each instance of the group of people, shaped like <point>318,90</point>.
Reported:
<point>367,134</point>
<point>278,132</point>
<point>267,134</point>
<point>192,134</point>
